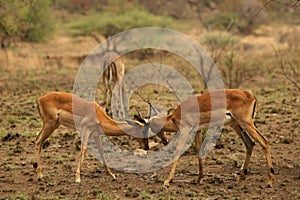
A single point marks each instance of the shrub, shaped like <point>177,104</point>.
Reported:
<point>243,17</point>
<point>41,23</point>
<point>217,43</point>
<point>224,51</point>
<point>26,20</point>
<point>109,24</point>
<point>225,21</point>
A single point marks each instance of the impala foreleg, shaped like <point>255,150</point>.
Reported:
<point>182,144</point>
<point>171,174</point>
<point>101,152</point>
<point>198,144</point>
<point>83,149</point>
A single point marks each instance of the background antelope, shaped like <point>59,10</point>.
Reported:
<point>113,72</point>
<point>240,110</point>
<point>56,108</point>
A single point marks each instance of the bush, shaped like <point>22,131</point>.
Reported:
<point>223,21</point>
<point>41,23</point>
<point>26,20</point>
<point>109,24</point>
<point>224,51</point>
<point>243,17</point>
<point>218,43</point>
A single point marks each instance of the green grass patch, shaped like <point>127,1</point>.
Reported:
<point>10,166</point>
<point>103,196</point>
<point>3,132</point>
<point>12,120</point>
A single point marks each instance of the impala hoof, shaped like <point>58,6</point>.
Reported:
<point>241,175</point>
<point>78,180</point>
<point>114,177</point>
<point>40,177</point>
<point>199,181</point>
<point>270,185</point>
<point>166,184</point>
<point>111,174</point>
<point>240,178</point>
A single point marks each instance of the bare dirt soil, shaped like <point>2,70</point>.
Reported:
<point>278,118</point>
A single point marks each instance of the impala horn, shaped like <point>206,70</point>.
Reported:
<point>139,117</point>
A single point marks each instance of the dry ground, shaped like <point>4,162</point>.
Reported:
<point>26,77</point>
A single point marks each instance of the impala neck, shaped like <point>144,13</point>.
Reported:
<point>164,123</point>
<point>120,128</point>
<point>113,128</point>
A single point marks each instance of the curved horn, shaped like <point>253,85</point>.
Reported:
<point>139,117</point>
<point>152,108</point>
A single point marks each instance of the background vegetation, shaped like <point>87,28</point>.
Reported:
<point>26,20</point>
<point>224,23</point>
<point>34,20</point>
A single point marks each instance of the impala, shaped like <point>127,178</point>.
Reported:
<point>113,72</point>
<point>58,108</point>
<point>240,110</point>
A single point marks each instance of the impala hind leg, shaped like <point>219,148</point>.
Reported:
<point>42,136</point>
<point>83,149</point>
<point>264,143</point>
<point>249,144</point>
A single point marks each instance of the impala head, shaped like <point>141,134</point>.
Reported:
<point>150,123</point>
<point>141,128</point>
